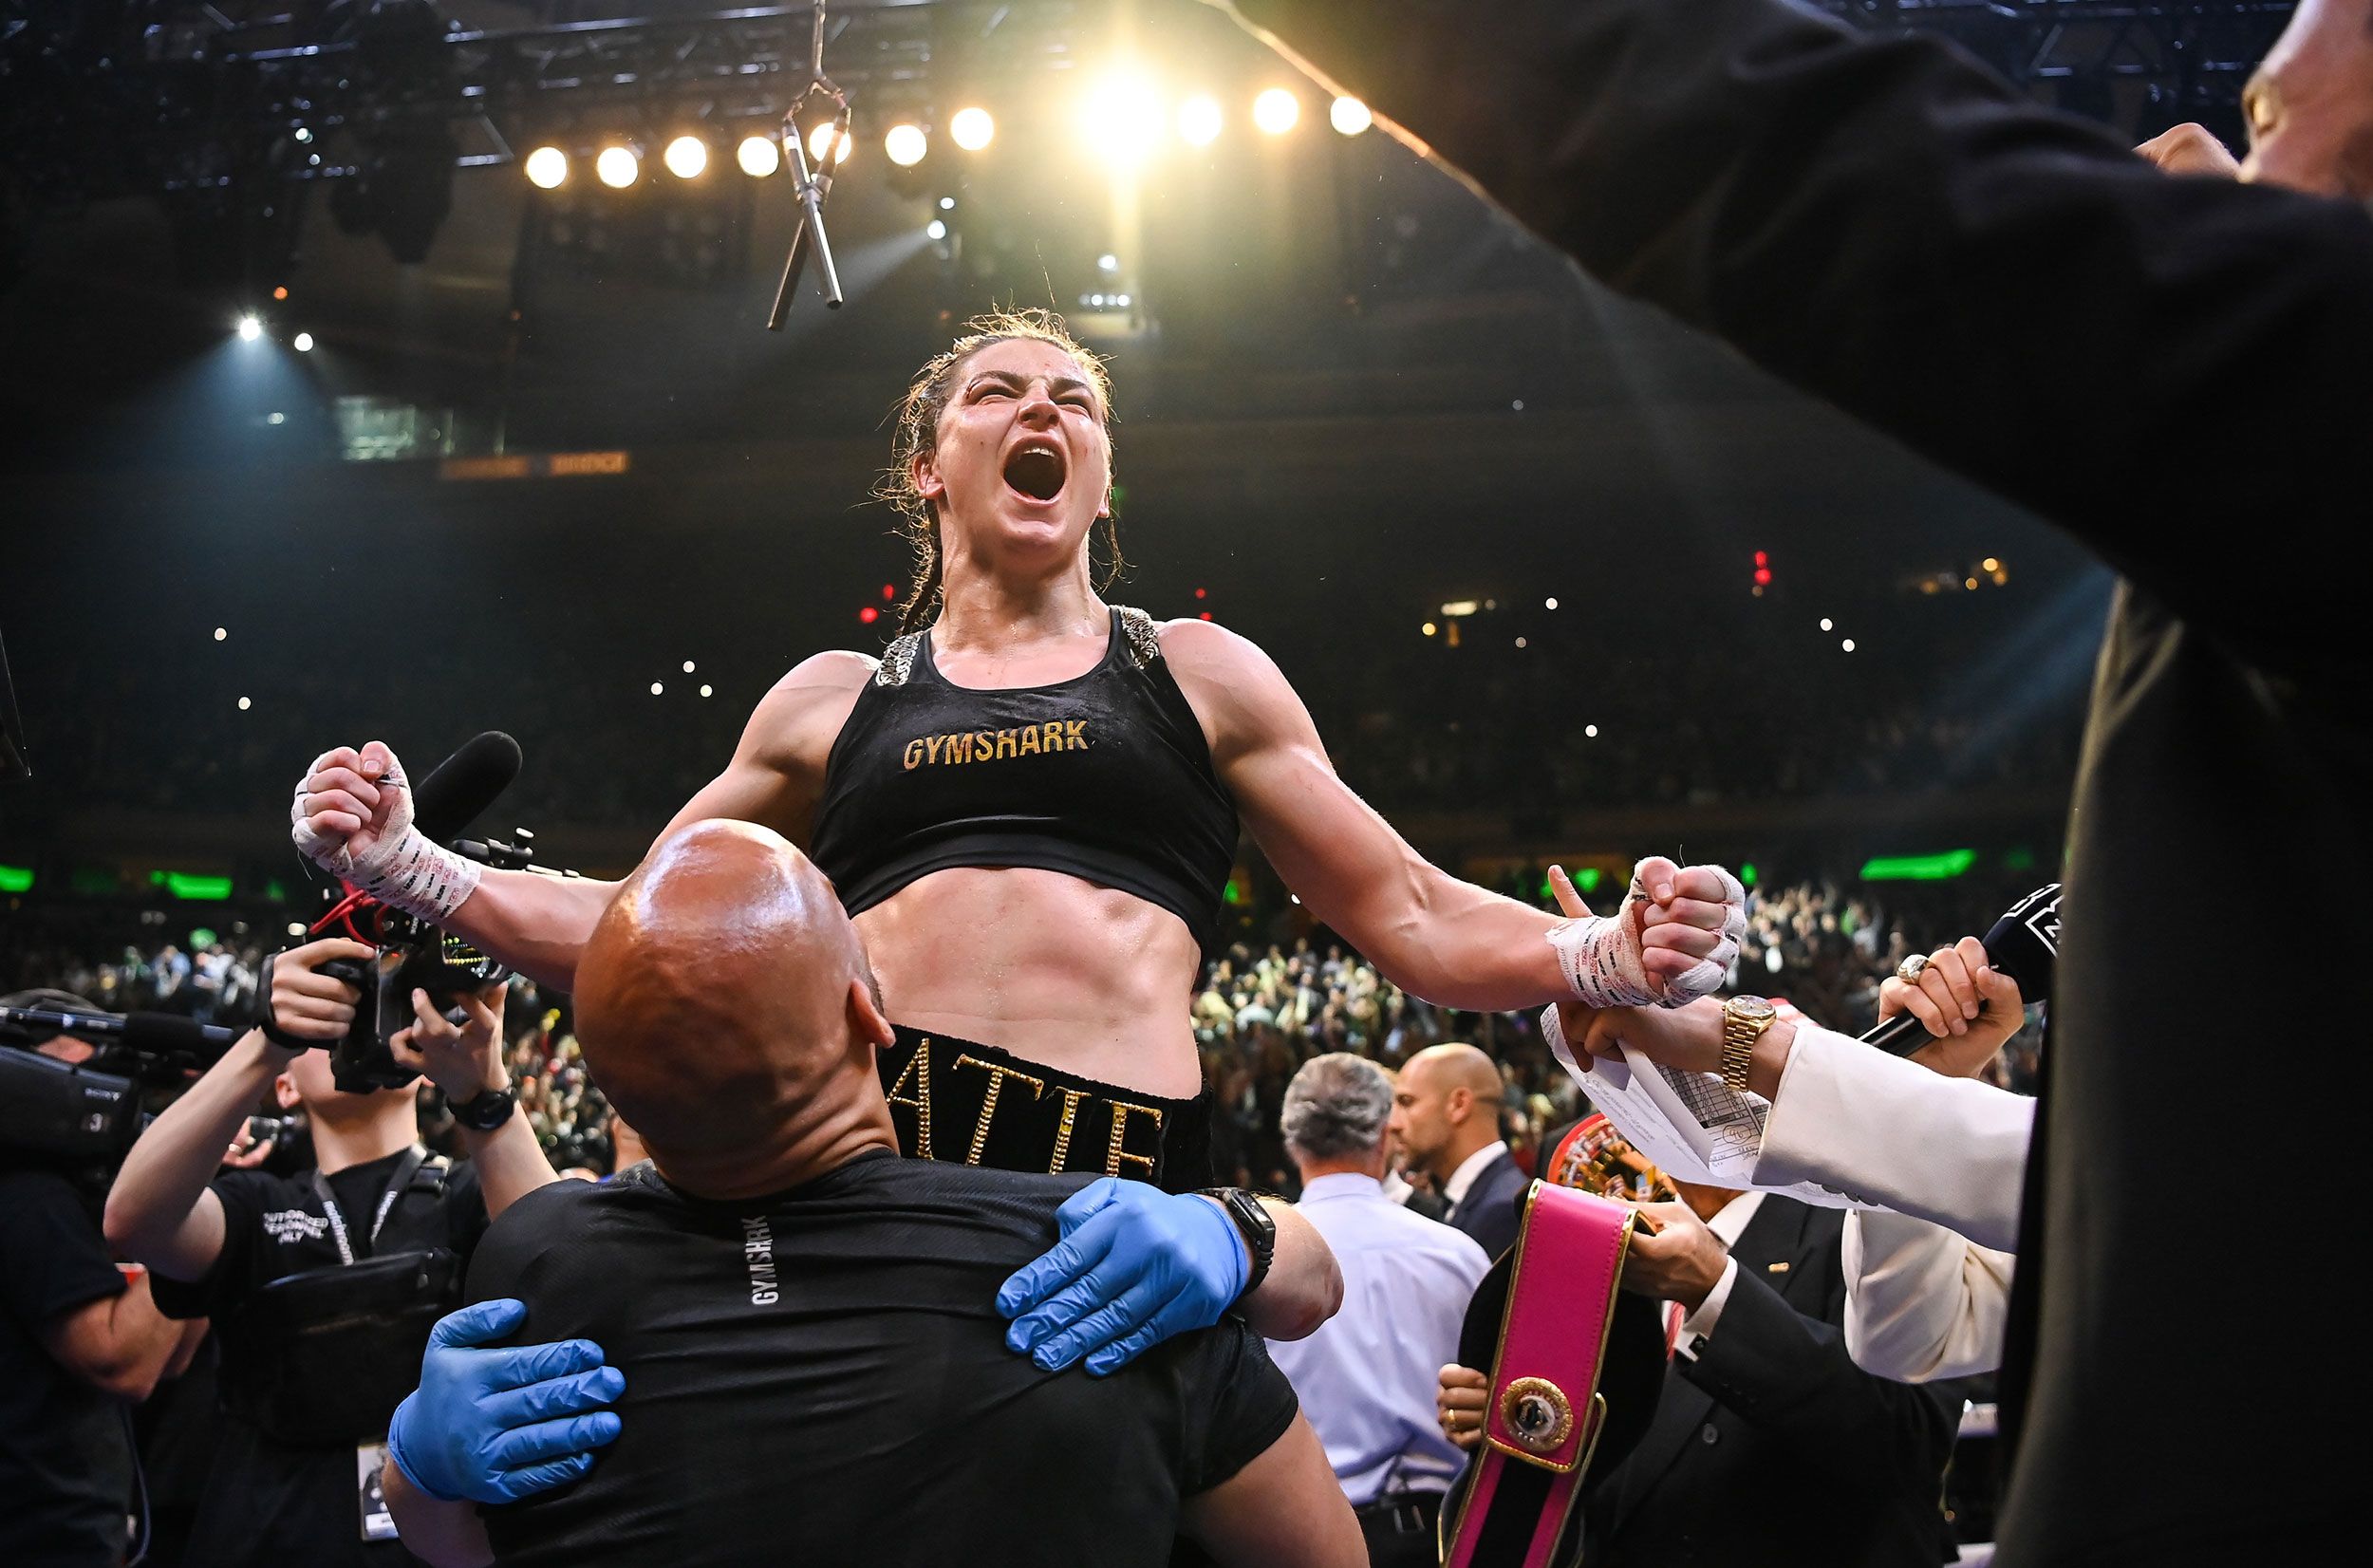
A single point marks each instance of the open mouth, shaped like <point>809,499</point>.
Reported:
<point>1035,469</point>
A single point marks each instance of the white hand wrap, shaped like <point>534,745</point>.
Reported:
<point>402,870</point>
<point>1603,956</point>
<point>1710,973</point>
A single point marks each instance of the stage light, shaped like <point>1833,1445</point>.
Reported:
<point>1548,604</point>
<point>820,142</point>
<point>1121,118</point>
<point>936,228</point>
<point>302,342</point>
<point>1825,625</point>
<point>869,615</point>
<point>657,688</point>
<point>1199,120</point>
<point>1970,583</point>
<point>221,632</point>
<point>1276,110</point>
<point>618,167</point>
<point>296,927</point>
<point>687,158</point>
<point>759,156</point>
<point>303,134</point>
<point>687,666</point>
<point>905,145</point>
<point>547,168</point>
<point>281,291</point>
<point>1590,731</point>
<point>705,690</point>
<point>1847,645</point>
<point>1426,629</point>
<point>1349,116</point>
<point>972,129</point>
<point>1111,263</point>
<point>1121,300</point>
<point>1202,593</point>
<point>1520,642</point>
<point>889,593</point>
<point>245,705</point>
<point>250,328</point>
<point>1989,563</point>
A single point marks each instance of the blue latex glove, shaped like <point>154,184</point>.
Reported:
<point>1133,1266</point>
<point>494,1425</point>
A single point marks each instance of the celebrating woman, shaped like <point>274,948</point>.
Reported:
<point>1030,806</point>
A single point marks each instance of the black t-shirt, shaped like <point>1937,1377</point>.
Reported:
<point>65,1451</point>
<point>268,1502</point>
<point>822,1376</point>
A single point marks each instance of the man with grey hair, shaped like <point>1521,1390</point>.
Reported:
<point>1366,1378</point>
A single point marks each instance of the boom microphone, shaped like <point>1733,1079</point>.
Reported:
<point>145,1034</point>
<point>2024,945</point>
<point>458,788</point>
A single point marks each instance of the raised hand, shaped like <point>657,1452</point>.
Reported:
<point>466,1060</point>
<point>348,804</point>
<point>1690,922</point>
<point>1971,1007</point>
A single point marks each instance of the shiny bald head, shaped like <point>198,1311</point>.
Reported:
<point>1445,1107</point>
<point>727,1009</point>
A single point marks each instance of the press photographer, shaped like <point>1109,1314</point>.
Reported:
<point>81,1341</point>
<point>322,1285</point>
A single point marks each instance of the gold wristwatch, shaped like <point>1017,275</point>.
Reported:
<point>1744,1020</point>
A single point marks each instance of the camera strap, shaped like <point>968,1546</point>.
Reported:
<point>408,1169</point>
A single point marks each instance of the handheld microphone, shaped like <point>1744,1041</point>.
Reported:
<point>464,784</point>
<point>2024,945</point>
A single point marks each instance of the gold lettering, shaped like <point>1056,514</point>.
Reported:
<point>1029,746</point>
<point>914,754</point>
<point>959,748</point>
<point>981,744</point>
<point>1072,740</point>
<point>933,745</point>
<point>1053,730</point>
<point>998,1075</point>
<point>1006,746</point>
<point>919,1068</point>
<point>1062,1132</point>
<point>1118,1156</point>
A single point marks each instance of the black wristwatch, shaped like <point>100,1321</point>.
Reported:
<point>487,1112</point>
<point>1253,1222</point>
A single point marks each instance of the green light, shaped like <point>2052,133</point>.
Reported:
<point>201,938</point>
<point>206,889</point>
<point>2019,860</point>
<point>1588,880</point>
<point>1235,891</point>
<point>16,879</point>
<point>1747,874</point>
<point>276,892</point>
<point>1919,868</point>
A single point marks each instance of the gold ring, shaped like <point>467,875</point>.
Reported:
<point>1909,970</point>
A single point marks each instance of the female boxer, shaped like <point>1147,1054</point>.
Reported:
<point>1030,805</point>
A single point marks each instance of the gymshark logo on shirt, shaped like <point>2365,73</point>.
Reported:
<point>758,1250</point>
<point>1059,735</point>
<point>290,1225</point>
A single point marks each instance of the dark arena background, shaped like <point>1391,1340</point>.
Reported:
<point>399,369</point>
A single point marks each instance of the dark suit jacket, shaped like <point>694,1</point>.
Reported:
<point>2173,370</point>
<point>1487,1212</point>
<point>1772,1447</point>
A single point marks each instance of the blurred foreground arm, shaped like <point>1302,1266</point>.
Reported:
<point>444,1535</point>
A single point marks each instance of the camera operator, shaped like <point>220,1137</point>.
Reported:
<point>380,1232</point>
<point>80,1340</point>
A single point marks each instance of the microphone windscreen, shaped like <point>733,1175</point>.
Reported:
<point>464,785</point>
<point>165,1034</point>
<point>2025,943</point>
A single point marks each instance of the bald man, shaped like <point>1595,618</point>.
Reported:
<point>1446,1114</point>
<point>813,1367</point>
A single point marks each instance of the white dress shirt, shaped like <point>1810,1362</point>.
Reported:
<point>1729,1223</point>
<point>1454,1191</point>
<point>1367,1377</point>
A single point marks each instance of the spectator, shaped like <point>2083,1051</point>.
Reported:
<point>1367,1376</point>
<point>1446,1115</point>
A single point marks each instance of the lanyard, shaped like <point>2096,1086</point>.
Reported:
<point>409,1167</point>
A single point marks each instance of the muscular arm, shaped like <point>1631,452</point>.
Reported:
<point>1305,1283</point>
<point>445,1535</point>
<point>539,925</point>
<point>120,1344</point>
<point>1889,226</point>
<point>1446,941</point>
<point>1284,1508</point>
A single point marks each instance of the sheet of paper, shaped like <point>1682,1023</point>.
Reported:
<point>1691,1124</point>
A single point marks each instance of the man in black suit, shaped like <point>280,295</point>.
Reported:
<point>2174,371</point>
<point>1769,1445</point>
<point>1446,1115</point>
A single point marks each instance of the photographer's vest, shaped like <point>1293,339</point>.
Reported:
<point>321,1358</point>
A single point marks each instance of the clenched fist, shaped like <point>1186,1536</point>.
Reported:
<point>1673,941</point>
<point>352,816</point>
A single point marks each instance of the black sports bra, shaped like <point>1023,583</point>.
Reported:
<point>1105,777</point>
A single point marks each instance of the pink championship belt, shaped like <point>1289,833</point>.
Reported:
<point>1543,1418</point>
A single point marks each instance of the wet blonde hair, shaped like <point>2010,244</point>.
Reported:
<point>917,435</point>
